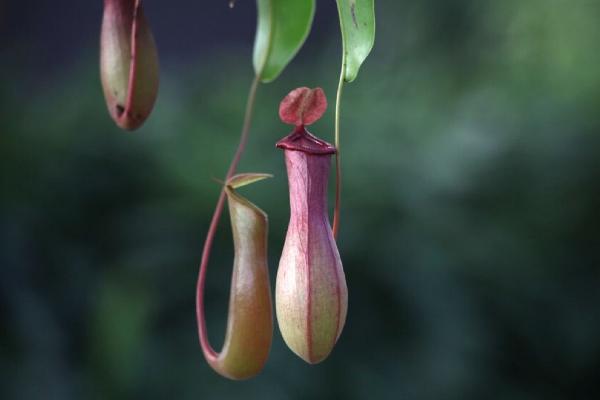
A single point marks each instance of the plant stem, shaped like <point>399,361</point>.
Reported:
<point>207,349</point>
<point>338,163</point>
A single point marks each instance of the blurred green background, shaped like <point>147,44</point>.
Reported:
<point>470,221</point>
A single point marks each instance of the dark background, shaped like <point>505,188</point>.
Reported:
<point>470,221</point>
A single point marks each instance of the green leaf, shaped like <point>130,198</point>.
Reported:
<point>357,21</point>
<point>283,25</point>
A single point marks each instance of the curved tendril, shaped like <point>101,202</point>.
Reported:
<point>210,354</point>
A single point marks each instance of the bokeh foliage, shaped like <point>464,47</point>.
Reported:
<point>469,228</point>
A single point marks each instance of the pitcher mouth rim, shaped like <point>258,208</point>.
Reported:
<point>300,139</point>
